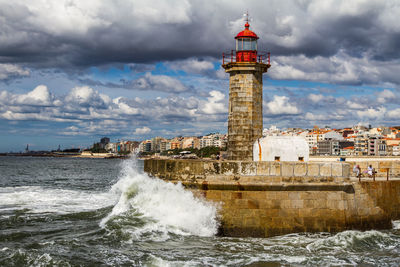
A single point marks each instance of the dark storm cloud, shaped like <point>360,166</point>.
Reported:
<point>92,33</point>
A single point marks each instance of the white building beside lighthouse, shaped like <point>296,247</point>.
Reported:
<point>281,148</point>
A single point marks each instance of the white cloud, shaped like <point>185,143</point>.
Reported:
<point>395,113</point>
<point>104,127</point>
<point>385,95</point>
<point>327,118</point>
<point>315,98</point>
<point>72,131</point>
<point>39,96</point>
<point>143,130</point>
<point>10,71</point>
<point>280,105</point>
<point>354,105</point>
<point>159,12</point>
<point>81,95</point>
<point>4,96</point>
<point>64,16</point>
<point>315,117</point>
<point>221,74</point>
<point>15,116</point>
<point>86,96</point>
<point>340,68</point>
<point>215,103</point>
<point>97,113</point>
<point>162,83</point>
<point>372,113</point>
<point>192,65</point>
<point>124,108</point>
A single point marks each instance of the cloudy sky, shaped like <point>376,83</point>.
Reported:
<point>73,71</point>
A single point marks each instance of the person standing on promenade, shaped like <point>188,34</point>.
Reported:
<point>371,172</point>
<point>357,171</point>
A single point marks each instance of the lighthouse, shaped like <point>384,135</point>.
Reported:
<point>245,66</point>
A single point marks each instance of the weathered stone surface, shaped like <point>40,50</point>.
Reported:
<point>395,171</point>
<point>263,171</point>
<point>263,167</point>
<point>300,169</point>
<point>270,213</point>
<point>325,169</point>
<point>337,170</point>
<point>275,169</point>
<point>248,168</point>
<point>287,169</point>
<point>229,168</point>
<point>170,166</point>
<point>245,108</point>
<point>346,170</point>
<point>313,169</point>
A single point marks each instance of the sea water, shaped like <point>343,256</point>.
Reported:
<point>107,212</point>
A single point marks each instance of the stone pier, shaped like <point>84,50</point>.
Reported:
<point>262,199</point>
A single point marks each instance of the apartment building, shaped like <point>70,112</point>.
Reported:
<point>315,137</point>
<point>376,146</point>
<point>333,147</point>
<point>395,150</point>
<point>217,140</point>
<point>347,151</point>
<point>145,146</point>
<point>361,146</point>
<point>190,142</point>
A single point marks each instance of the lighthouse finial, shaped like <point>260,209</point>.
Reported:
<point>246,18</point>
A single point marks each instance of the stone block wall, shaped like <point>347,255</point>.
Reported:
<point>310,208</point>
<point>202,170</point>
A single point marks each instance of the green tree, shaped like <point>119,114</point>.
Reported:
<point>97,149</point>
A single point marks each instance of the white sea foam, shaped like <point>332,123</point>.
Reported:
<point>349,240</point>
<point>36,199</point>
<point>33,259</point>
<point>166,207</point>
<point>396,225</point>
<point>154,261</point>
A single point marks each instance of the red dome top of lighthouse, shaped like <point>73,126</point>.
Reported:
<point>246,33</point>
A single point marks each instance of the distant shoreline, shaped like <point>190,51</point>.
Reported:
<point>63,155</point>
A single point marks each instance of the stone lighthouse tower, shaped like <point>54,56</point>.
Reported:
<point>245,67</point>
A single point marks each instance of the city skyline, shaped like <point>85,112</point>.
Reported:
<point>390,133</point>
<point>73,72</point>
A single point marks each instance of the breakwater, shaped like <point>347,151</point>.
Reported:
<point>263,199</point>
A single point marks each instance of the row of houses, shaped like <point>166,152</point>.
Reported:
<point>355,141</point>
<point>160,144</point>
<point>117,147</point>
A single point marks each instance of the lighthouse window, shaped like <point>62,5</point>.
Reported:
<point>239,44</point>
<point>246,44</point>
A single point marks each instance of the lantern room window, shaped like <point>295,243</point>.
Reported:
<point>246,44</point>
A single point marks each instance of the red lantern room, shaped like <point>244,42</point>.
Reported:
<point>246,45</point>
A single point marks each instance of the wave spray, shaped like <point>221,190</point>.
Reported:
<point>151,208</point>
